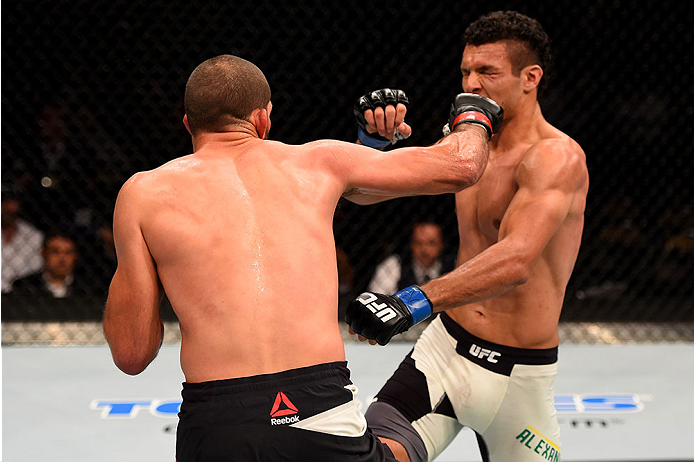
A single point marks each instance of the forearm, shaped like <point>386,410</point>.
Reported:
<point>468,148</point>
<point>454,163</point>
<point>491,273</point>
<point>134,340</point>
<point>132,354</point>
<point>360,198</point>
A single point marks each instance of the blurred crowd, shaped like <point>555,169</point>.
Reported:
<point>58,254</point>
<point>57,203</point>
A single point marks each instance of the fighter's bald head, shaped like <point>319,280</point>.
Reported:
<point>223,90</point>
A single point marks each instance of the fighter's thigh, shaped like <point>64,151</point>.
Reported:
<point>525,428</point>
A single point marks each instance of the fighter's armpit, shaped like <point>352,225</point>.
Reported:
<point>351,192</point>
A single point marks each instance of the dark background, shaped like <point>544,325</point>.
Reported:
<point>622,87</point>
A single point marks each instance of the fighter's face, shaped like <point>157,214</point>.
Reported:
<point>487,71</point>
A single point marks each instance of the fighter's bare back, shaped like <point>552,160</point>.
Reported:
<point>236,232</point>
<point>229,232</point>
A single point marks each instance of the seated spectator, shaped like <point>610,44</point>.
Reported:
<point>56,279</point>
<point>54,292</point>
<point>21,241</point>
<point>424,261</point>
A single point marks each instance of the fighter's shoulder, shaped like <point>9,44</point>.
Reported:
<point>158,176</point>
<point>555,144</point>
<point>557,157</point>
<point>138,183</point>
<point>131,194</point>
<point>144,184</point>
<point>558,150</point>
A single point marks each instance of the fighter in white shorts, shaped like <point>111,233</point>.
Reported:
<point>520,229</point>
<point>452,379</point>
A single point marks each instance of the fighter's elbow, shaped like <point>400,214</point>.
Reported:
<point>131,361</point>
<point>130,369</point>
<point>518,271</point>
<point>471,157</point>
<point>466,173</point>
<point>130,364</point>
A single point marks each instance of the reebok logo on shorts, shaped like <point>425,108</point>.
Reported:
<point>285,409</point>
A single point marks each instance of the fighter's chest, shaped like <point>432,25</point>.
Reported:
<point>486,203</point>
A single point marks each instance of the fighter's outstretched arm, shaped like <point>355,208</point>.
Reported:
<point>132,324</point>
<point>466,110</point>
<point>446,167</point>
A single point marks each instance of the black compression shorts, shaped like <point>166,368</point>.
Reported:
<point>304,414</point>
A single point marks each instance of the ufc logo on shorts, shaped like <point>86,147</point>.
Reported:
<point>382,310</point>
<point>482,353</point>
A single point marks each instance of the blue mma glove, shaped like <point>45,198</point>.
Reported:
<point>372,100</point>
<point>379,317</point>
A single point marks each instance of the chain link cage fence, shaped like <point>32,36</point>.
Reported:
<point>92,92</point>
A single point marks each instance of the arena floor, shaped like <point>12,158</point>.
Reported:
<point>616,403</point>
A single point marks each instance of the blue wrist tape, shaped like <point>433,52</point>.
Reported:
<point>368,140</point>
<point>417,302</point>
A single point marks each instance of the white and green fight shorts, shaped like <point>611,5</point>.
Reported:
<point>452,379</point>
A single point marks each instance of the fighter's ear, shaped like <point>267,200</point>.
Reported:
<point>260,118</point>
<point>531,76</point>
<point>185,122</point>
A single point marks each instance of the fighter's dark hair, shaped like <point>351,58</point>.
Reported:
<point>533,44</point>
<point>222,91</point>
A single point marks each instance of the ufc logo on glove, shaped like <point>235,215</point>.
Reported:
<point>382,310</point>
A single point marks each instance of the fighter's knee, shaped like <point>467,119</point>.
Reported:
<point>396,431</point>
<point>397,449</point>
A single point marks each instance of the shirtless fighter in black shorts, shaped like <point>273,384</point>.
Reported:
<point>227,232</point>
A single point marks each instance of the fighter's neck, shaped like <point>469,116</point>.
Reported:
<point>221,140</point>
<point>523,126</point>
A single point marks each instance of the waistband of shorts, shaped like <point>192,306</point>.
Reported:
<point>491,353</point>
<point>336,371</point>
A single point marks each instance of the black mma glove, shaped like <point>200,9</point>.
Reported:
<point>379,317</point>
<point>372,100</point>
<point>474,109</point>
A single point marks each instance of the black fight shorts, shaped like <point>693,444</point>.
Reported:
<point>306,414</point>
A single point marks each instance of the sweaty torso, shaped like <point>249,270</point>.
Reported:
<point>244,249</point>
<point>526,316</point>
